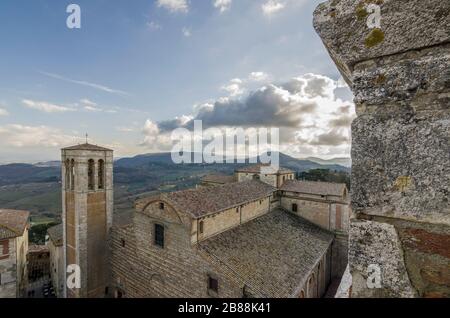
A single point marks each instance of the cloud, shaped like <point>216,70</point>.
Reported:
<point>154,26</point>
<point>186,32</point>
<point>91,106</point>
<point>234,87</point>
<point>311,119</point>
<point>344,121</point>
<point>20,136</point>
<point>272,6</point>
<point>46,107</point>
<point>332,138</point>
<point>3,112</point>
<point>174,5</point>
<point>85,83</point>
<point>258,76</point>
<point>222,5</point>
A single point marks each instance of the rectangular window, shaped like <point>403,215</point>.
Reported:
<point>159,235</point>
<point>161,206</point>
<point>200,227</point>
<point>4,249</point>
<point>294,207</point>
<point>213,284</point>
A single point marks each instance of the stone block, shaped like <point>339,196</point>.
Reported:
<point>401,167</point>
<point>405,25</point>
<point>377,244</point>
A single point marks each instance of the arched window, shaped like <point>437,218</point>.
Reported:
<point>302,294</point>
<point>101,174</point>
<point>256,177</point>
<point>91,170</point>
<point>67,174</point>
<point>72,175</point>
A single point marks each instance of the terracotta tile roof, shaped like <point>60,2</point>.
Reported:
<point>274,254</point>
<point>87,147</point>
<point>6,233</point>
<point>56,234</point>
<point>13,222</point>
<point>219,178</point>
<point>208,200</point>
<point>312,187</point>
<point>257,169</point>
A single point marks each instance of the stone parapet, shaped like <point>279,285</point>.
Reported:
<point>399,71</point>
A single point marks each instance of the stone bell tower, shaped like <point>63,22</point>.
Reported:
<point>87,197</point>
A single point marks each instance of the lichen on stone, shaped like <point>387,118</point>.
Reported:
<point>361,12</point>
<point>375,37</point>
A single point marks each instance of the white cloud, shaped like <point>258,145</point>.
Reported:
<point>272,6</point>
<point>222,5</point>
<point>313,121</point>
<point>258,76</point>
<point>186,32</point>
<point>154,26</point>
<point>234,88</point>
<point>3,112</point>
<point>20,136</point>
<point>46,107</point>
<point>125,129</point>
<point>88,102</point>
<point>85,83</point>
<point>174,5</point>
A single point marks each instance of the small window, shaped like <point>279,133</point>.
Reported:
<point>161,206</point>
<point>294,207</point>
<point>213,284</point>
<point>122,241</point>
<point>101,174</point>
<point>119,294</point>
<point>4,248</point>
<point>159,235</point>
<point>200,227</point>
<point>91,168</point>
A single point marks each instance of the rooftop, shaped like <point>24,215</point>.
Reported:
<point>274,254</point>
<point>12,223</point>
<point>56,234</point>
<point>208,200</point>
<point>257,169</point>
<point>313,187</point>
<point>219,178</point>
<point>87,146</point>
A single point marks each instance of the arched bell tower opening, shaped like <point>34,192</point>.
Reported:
<point>87,193</point>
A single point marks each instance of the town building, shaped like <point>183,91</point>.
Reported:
<point>55,245</point>
<point>257,233</point>
<point>13,253</point>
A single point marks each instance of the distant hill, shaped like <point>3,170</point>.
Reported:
<point>37,187</point>
<point>346,162</point>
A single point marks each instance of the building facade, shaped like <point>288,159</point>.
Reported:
<point>87,195</point>
<point>55,246</point>
<point>14,227</point>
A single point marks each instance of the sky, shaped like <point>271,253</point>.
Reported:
<point>136,70</point>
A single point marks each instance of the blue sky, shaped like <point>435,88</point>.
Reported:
<point>136,64</point>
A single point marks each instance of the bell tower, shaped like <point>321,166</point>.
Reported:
<point>87,197</point>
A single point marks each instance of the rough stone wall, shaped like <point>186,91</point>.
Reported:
<point>8,272</point>
<point>142,270</point>
<point>315,211</point>
<point>399,72</point>
<point>57,268</point>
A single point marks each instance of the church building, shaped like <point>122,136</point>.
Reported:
<point>253,234</point>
